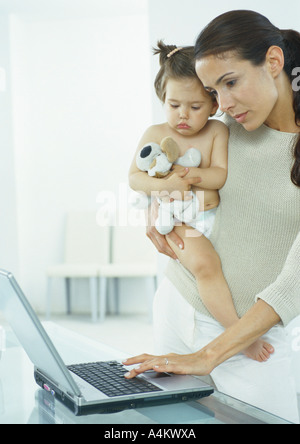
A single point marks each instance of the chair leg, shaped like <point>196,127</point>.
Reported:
<point>68,294</point>
<point>103,294</point>
<point>48,300</point>
<point>116,295</point>
<point>155,283</point>
<point>94,297</point>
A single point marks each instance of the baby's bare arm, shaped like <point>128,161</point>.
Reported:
<point>214,177</point>
<point>140,180</point>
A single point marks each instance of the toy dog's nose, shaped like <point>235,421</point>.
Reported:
<point>146,152</point>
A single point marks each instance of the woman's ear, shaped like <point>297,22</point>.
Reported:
<point>275,60</point>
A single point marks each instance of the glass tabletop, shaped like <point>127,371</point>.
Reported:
<point>22,401</point>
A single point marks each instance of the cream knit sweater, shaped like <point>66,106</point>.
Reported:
<point>257,228</point>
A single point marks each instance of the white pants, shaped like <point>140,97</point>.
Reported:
<point>179,328</point>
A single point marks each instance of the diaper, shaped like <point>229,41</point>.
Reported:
<point>204,222</point>
<point>187,212</point>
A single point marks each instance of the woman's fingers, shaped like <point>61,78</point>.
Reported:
<point>154,363</point>
<point>182,172</point>
<point>173,236</point>
<point>191,180</point>
<point>145,363</point>
<point>194,180</point>
<point>191,364</point>
<point>138,359</point>
<point>160,242</point>
<point>170,363</point>
<point>158,239</point>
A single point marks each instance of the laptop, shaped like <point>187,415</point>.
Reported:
<point>96,387</point>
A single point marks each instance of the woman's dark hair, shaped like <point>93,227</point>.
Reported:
<point>175,63</point>
<point>249,35</point>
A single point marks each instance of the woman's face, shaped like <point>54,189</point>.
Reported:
<point>246,92</point>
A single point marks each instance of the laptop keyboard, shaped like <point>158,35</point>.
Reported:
<point>108,377</point>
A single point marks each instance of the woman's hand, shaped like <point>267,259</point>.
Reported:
<point>158,239</point>
<point>254,324</point>
<point>191,364</point>
<point>178,184</point>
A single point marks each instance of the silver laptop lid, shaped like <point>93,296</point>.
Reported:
<point>32,334</point>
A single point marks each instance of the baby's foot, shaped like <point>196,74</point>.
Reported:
<point>259,351</point>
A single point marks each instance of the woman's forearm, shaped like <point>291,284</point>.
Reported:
<point>258,321</point>
<point>254,324</point>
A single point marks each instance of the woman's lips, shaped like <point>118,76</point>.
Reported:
<point>240,118</point>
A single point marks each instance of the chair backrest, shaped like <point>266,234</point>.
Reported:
<point>130,244</point>
<point>86,241</point>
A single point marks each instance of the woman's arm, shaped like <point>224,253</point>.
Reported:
<point>259,319</point>
<point>284,293</point>
<point>279,302</point>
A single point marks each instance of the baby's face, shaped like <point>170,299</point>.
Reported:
<point>188,106</point>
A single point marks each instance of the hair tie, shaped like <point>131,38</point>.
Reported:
<point>173,52</point>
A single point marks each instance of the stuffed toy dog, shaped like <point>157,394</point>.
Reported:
<point>157,160</point>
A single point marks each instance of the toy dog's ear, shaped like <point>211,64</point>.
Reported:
<point>145,151</point>
<point>170,148</point>
<point>146,155</point>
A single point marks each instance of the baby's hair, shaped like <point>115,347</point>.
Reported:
<point>175,63</point>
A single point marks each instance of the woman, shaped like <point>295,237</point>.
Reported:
<point>247,64</point>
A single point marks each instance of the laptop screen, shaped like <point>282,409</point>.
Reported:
<point>31,334</point>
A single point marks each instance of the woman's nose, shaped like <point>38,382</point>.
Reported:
<point>225,102</point>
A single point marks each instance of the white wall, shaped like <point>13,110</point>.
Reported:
<point>8,212</point>
<point>180,23</point>
<point>81,100</point>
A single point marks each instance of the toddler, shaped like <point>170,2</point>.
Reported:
<point>188,110</point>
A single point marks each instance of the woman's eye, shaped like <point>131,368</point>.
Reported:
<point>231,83</point>
<point>174,106</point>
<point>195,108</point>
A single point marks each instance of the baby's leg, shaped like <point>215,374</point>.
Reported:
<point>201,259</point>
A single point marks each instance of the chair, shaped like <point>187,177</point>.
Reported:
<point>133,256</point>
<point>87,246</point>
